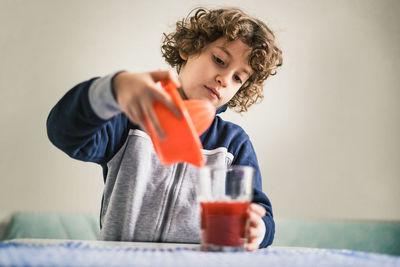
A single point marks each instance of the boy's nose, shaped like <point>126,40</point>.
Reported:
<point>222,80</point>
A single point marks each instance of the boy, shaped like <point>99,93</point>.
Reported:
<point>222,56</point>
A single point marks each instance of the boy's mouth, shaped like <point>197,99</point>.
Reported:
<point>213,92</point>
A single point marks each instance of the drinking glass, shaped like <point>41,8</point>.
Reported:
<point>224,194</point>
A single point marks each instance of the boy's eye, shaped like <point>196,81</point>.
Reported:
<point>237,78</point>
<point>218,60</point>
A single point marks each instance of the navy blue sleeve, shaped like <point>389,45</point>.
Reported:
<point>247,156</point>
<point>73,127</point>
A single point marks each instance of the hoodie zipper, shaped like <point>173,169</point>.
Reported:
<point>170,197</point>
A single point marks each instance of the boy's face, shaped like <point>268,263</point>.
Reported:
<point>217,73</point>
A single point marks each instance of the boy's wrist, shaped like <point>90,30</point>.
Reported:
<point>115,83</point>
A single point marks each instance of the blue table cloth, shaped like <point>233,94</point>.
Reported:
<point>80,254</point>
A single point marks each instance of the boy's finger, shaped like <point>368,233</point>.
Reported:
<point>254,219</point>
<point>252,240</point>
<point>253,232</point>
<point>133,115</point>
<point>166,100</point>
<point>138,118</point>
<point>252,246</point>
<point>260,210</point>
<point>165,75</point>
<point>152,119</point>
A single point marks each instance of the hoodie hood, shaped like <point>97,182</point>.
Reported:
<point>222,109</point>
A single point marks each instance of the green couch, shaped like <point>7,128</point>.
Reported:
<point>369,236</point>
<point>76,226</point>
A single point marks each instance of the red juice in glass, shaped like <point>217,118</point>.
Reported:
<point>224,195</point>
<point>223,224</point>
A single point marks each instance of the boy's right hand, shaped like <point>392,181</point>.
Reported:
<point>136,92</point>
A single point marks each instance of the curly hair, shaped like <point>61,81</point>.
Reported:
<point>206,26</point>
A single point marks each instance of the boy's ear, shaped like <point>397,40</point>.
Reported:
<point>182,55</point>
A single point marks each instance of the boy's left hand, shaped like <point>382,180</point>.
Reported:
<point>255,230</point>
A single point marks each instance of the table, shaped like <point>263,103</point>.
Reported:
<point>45,252</point>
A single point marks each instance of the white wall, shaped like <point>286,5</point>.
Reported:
<point>327,133</point>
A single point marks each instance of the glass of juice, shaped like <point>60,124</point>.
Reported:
<point>224,194</point>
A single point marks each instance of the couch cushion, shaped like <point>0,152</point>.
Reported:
<point>370,236</point>
<point>78,226</point>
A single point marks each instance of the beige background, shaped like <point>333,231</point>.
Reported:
<point>327,133</point>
